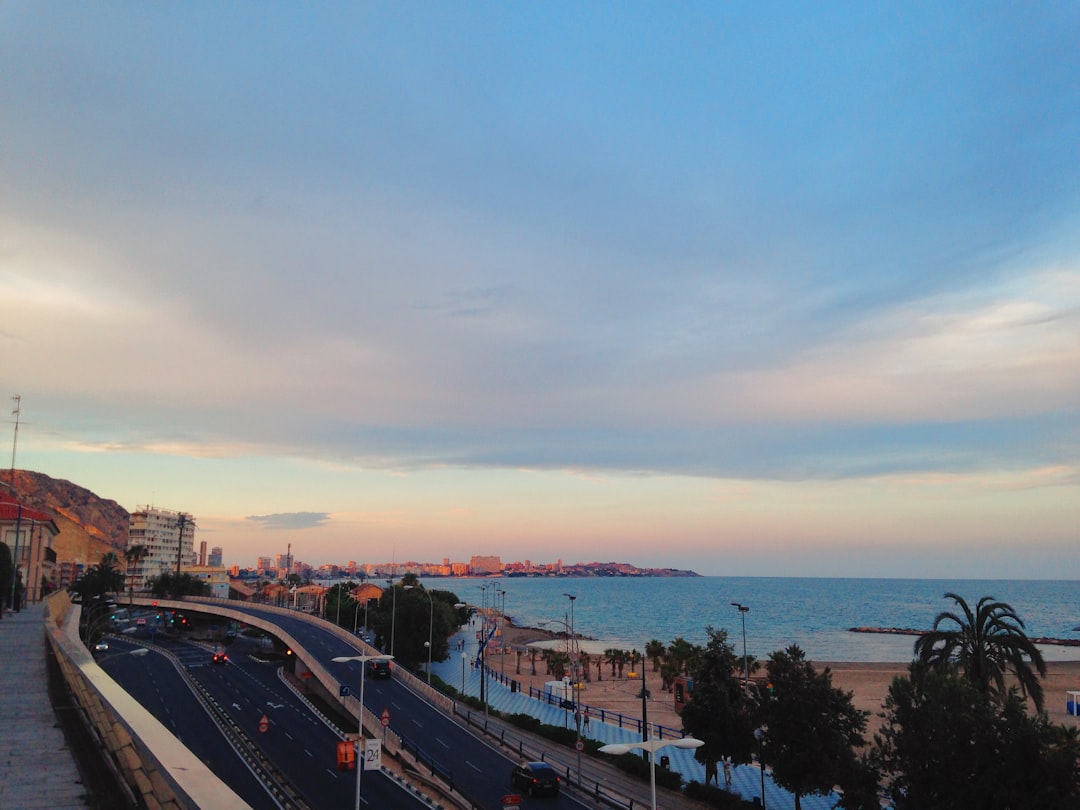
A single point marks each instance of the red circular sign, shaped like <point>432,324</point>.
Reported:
<point>264,724</point>
<point>579,745</point>
<point>385,718</point>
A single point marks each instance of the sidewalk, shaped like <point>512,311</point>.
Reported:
<point>746,779</point>
<point>37,769</point>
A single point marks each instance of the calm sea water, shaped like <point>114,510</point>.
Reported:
<point>813,613</point>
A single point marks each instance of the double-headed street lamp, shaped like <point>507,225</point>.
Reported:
<point>360,754</point>
<point>743,610</point>
<point>431,624</point>
<point>652,746</point>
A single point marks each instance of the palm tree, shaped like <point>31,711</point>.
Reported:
<point>655,650</point>
<point>134,556</point>
<point>985,644</point>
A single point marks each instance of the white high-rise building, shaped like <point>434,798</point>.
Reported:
<point>164,534</point>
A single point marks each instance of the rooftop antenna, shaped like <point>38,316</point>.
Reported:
<point>15,441</point>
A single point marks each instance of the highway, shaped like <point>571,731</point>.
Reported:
<point>301,746</point>
<point>476,769</point>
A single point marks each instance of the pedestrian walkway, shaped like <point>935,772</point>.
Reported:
<point>746,779</point>
<point>37,769</point>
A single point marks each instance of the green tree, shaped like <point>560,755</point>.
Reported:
<point>811,728</point>
<point>720,713</point>
<point>169,584</point>
<point>655,650</point>
<point>6,570</point>
<point>945,745</point>
<point>100,579</point>
<point>338,605</point>
<point>410,629</point>
<point>985,644</point>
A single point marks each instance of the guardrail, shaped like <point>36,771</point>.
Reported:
<point>159,769</point>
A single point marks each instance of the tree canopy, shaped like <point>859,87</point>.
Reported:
<point>985,644</point>
<point>945,746</point>
<point>811,729</point>
<point>720,711</point>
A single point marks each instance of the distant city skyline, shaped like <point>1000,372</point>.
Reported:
<point>759,289</point>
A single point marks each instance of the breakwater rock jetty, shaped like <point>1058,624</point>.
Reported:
<point>909,631</point>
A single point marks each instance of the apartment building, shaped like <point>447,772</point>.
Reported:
<point>165,535</point>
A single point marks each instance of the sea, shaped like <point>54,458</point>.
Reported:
<point>815,613</point>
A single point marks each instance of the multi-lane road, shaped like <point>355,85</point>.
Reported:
<point>294,759</point>
<point>299,747</point>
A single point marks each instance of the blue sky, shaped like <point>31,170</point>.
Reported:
<point>747,288</point>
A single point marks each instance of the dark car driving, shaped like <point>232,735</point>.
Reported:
<point>536,779</point>
<point>378,668</point>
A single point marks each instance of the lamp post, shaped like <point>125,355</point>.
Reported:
<point>502,638</point>
<point>464,658</point>
<point>743,610</point>
<point>652,746</point>
<point>759,735</point>
<point>393,611</point>
<point>363,659</point>
<point>480,657</point>
<point>431,624</point>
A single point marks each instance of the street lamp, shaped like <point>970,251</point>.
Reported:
<point>431,624</point>
<point>759,735</point>
<point>464,658</point>
<point>480,656</point>
<point>363,659</point>
<point>743,610</point>
<point>502,638</point>
<point>652,746</point>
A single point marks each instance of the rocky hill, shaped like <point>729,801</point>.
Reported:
<point>89,525</point>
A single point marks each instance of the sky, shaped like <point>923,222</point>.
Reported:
<point>768,289</point>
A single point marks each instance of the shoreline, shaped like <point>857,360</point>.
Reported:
<point>867,681</point>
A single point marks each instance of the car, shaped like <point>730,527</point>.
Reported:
<point>379,668</point>
<point>101,646</point>
<point>219,658</point>
<point>536,779</point>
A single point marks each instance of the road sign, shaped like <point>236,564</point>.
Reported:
<point>372,755</point>
<point>579,745</point>
<point>385,718</point>
<point>264,724</point>
<point>511,799</point>
<point>344,691</point>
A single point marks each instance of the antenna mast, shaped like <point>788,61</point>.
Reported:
<point>15,441</point>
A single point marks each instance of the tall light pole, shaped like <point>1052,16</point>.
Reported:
<point>480,658</point>
<point>502,621</point>
<point>363,659</point>
<point>651,746</point>
<point>393,610</point>
<point>743,610</point>
<point>431,624</point>
<point>464,658</point>
<point>573,637</point>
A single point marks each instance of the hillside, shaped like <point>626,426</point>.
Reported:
<point>89,525</point>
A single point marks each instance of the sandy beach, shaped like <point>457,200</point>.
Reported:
<point>868,682</point>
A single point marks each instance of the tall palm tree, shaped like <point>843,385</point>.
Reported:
<point>985,644</point>
<point>134,556</point>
